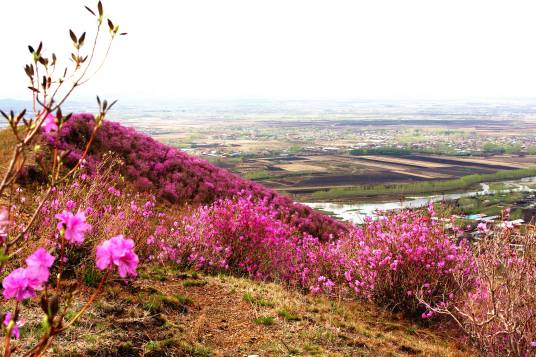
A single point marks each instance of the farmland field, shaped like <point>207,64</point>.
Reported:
<point>346,171</point>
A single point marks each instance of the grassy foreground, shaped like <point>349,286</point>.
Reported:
<point>174,313</point>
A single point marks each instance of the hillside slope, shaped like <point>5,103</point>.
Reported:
<point>179,178</point>
<point>175,313</point>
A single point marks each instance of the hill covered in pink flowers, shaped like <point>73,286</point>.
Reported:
<point>178,177</point>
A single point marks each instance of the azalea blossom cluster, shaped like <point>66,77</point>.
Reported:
<point>387,260</point>
<point>112,211</point>
<point>23,283</point>
<point>405,253</point>
<point>118,251</point>
<point>73,226</point>
<point>70,231</point>
<point>238,235</point>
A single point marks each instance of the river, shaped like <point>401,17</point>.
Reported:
<point>356,212</point>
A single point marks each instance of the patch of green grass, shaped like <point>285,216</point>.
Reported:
<point>287,315</point>
<point>90,338</point>
<point>153,305</point>
<point>91,276</point>
<point>159,346</point>
<point>312,348</point>
<point>156,303</point>
<point>151,346</point>
<point>248,297</point>
<point>411,330</point>
<point>158,274</point>
<point>69,315</point>
<point>257,175</point>
<point>187,275</point>
<point>189,283</point>
<point>185,300</point>
<point>197,350</point>
<point>170,301</point>
<point>264,320</point>
<point>143,275</point>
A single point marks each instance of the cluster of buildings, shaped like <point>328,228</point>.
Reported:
<point>340,138</point>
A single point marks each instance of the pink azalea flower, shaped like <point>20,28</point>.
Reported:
<point>15,332</point>
<point>39,264</point>
<point>74,226</point>
<point>120,252</point>
<point>482,227</point>
<point>17,285</point>
<point>427,315</point>
<point>4,222</point>
<point>4,217</point>
<point>22,283</point>
<point>49,124</point>
<point>533,344</point>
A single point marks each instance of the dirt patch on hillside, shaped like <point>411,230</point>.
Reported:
<point>174,313</point>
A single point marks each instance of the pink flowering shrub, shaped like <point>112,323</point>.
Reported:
<point>403,253</point>
<point>118,251</point>
<point>387,261</point>
<point>240,235</point>
<point>246,237</point>
<point>78,214</point>
<point>499,314</point>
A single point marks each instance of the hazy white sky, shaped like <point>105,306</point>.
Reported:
<point>203,49</point>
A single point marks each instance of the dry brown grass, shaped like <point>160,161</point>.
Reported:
<point>7,141</point>
<point>173,313</point>
<point>299,167</point>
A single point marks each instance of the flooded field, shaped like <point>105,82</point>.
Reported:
<point>356,212</point>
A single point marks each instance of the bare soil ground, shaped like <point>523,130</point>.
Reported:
<point>173,313</point>
<point>410,161</point>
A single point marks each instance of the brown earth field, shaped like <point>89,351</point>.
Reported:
<point>168,312</point>
<point>304,174</point>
